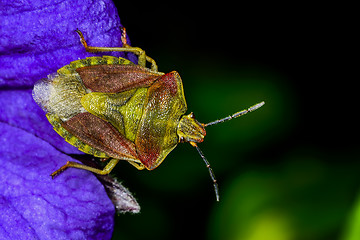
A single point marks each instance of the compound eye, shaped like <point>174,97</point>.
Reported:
<point>192,115</point>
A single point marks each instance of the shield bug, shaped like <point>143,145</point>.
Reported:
<point>116,110</point>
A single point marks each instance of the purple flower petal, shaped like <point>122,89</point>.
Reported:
<point>37,38</point>
<point>73,206</point>
<point>20,110</point>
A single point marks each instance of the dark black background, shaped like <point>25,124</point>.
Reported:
<point>310,44</point>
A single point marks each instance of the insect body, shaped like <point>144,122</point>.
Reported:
<point>113,109</point>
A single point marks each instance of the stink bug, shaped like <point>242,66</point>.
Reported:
<point>115,110</point>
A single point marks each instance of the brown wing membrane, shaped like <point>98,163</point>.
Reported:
<point>100,135</point>
<point>116,78</point>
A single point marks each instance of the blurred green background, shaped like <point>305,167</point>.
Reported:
<point>288,171</point>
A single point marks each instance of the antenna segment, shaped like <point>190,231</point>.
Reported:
<point>212,175</point>
<point>235,115</point>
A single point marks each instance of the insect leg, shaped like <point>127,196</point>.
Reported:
<point>139,166</point>
<point>138,51</point>
<point>107,169</point>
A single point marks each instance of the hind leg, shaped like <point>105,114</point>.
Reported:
<point>142,58</point>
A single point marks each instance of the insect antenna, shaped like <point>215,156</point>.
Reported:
<point>212,175</point>
<point>237,114</point>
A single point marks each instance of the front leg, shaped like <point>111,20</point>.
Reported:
<point>138,165</point>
